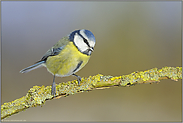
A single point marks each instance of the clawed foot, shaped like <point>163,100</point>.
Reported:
<point>79,78</point>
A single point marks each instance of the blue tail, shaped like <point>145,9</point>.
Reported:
<point>32,67</point>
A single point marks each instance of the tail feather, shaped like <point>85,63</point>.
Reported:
<point>32,67</point>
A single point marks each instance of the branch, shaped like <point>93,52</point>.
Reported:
<point>37,95</point>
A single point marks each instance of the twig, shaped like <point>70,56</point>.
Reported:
<point>37,95</point>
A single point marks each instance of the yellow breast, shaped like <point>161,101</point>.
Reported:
<point>67,61</point>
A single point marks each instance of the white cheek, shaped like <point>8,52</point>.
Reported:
<point>80,43</point>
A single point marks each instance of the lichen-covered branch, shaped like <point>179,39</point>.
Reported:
<point>38,95</point>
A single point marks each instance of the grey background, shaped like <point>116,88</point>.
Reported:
<point>130,36</point>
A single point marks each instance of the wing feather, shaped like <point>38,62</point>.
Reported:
<point>56,49</point>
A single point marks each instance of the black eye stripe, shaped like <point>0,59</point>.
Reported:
<point>85,40</point>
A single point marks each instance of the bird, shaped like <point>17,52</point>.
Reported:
<point>67,56</point>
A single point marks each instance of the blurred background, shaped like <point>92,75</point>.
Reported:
<point>130,36</point>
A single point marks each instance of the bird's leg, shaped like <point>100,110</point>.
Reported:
<point>79,78</point>
<point>53,89</point>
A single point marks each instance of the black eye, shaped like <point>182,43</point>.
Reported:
<point>86,42</point>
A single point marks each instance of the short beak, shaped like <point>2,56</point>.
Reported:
<point>91,49</point>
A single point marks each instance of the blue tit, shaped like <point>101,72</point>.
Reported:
<point>67,56</point>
